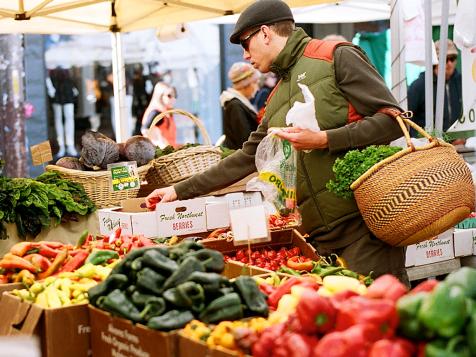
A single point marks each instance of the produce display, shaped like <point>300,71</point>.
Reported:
<point>66,288</point>
<point>30,261</point>
<point>354,164</point>
<point>36,204</point>
<point>167,287</point>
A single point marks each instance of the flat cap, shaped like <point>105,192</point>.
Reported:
<point>261,12</point>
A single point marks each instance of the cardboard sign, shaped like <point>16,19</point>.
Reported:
<point>435,250</point>
<point>41,153</point>
<point>124,176</point>
<point>249,225</point>
<point>181,217</point>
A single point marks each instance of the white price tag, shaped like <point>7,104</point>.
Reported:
<point>249,225</point>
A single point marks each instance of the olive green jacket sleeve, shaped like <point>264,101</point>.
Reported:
<point>228,171</point>
<point>365,89</point>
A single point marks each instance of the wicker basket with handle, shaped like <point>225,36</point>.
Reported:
<point>417,193</point>
<point>97,184</point>
<point>184,163</point>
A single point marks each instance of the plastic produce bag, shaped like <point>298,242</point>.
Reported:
<point>276,163</point>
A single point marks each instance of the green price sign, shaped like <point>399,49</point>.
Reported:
<point>124,176</point>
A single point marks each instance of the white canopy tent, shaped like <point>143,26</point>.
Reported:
<point>87,16</point>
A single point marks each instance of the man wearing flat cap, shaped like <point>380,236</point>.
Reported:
<point>350,101</point>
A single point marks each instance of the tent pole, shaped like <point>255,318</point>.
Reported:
<point>118,74</point>
<point>440,85</point>
<point>399,80</point>
<point>429,124</point>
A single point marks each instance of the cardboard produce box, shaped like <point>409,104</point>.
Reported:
<point>434,250</point>
<point>463,240</point>
<point>114,336</point>
<point>285,238</point>
<point>62,332</point>
<point>10,287</point>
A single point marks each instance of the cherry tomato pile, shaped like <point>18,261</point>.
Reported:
<point>269,258</point>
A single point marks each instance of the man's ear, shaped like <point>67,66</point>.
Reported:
<point>267,34</point>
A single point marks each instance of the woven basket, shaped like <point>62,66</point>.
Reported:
<point>97,184</point>
<point>182,164</point>
<point>417,193</point>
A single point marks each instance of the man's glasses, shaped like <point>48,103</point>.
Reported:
<point>451,58</point>
<point>245,42</point>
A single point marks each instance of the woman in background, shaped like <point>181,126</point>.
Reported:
<point>164,132</point>
<point>239,115</point>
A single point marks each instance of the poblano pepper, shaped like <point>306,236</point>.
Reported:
<point>150,280</point>
<point>155,306</point>
<point>117,303</point>
<point>184,247</point>
<point>212,260</point>
<point>445,310</point>
<point>188,295</point>
<point>226,307</point>
<point>251,295</point>
<point>159,262</point>
<point>113,281</point>
<point>455,347</point>
<point>185,269</point>
<point>98,257</point>
<point>409,325</point>
<point>124,264</point>
<point>140,299</point>
<point>211,282</point>
<point>464,277</point>
<point>171,320</point>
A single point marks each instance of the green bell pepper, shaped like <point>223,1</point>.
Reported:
<point>101,256</point>
<point>253,298</point>
<point>226,307</point>
<point>465,278</point>
<point>445,310</point>
<point>187,295</point>
<point>471,329</point>
<point>150,280</point>
<point>455,347</point>
<point>183,272</point>
<point>113,281</point>
<point>171,320</point>
<point>159,262</point>
<point>409,325</point>
<point>117,303</point>
<point>212,260</point>
<point>155,306</point>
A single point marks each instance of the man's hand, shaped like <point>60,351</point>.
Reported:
<point>303,139</point>
<point>161,195</point>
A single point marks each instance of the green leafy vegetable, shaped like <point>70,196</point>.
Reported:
<point>354,164</point>
<point>36,204</point>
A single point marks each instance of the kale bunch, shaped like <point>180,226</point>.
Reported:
<point>354,164</point>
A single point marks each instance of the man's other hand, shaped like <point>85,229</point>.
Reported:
<point>160,195</point>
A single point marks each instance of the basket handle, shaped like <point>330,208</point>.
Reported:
<point>196,121</point>
<point>403,120</point>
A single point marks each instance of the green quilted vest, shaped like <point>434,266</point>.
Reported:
<point>310,62</point>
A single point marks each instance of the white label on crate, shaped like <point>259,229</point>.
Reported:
<point>249,225</point>
<point>435,250</point>
<point>181,217</point>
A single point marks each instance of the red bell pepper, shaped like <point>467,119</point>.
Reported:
<point>75,262</point>
<point>21,248</point>
<point>298,345</point>
<point>378,312</point>
<point>386,287</point>
<point>316,313</point>
<point>266,289</point>
<point>266,344</point>
<point>285,288</point>
<point>392,348</point>
<point>355,341</point>
<point>427,285</point>
<point>339,298</point>
<point>39,261</point>
<point>11,261</point>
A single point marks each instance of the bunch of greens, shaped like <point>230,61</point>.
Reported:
<point>354,164</point>
<point>35,204</point>
<point>169,149</point>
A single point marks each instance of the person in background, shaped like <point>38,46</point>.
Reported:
<point>140,98</point>
<point>261,96</point>
<point>239,115</point>
<point>164,132</point>
<point>453,106</point>
<point>354,109</point>
<point>63,92</point>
